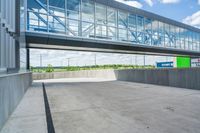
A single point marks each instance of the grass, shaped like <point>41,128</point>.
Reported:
<point>50,68</point>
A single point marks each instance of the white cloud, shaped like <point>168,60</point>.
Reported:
<point>193,20</point>
<point>149,2</point>
<point>169,1</point>
<point>131,3</point>
<point>199,2</point>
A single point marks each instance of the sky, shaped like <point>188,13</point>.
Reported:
<point>185,11</point>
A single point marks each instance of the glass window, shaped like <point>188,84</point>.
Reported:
<point>132,28</point>
<point>112,17</point>
<point>186,39</point>
<point>167,35</point>
<point>56,24</point>
<point>37,15</point>
<point>101,24</point>
<point>122,34</point>
<point>57,16</point>
<point>155,33</point>
<point>88,29</point>
<point>172,36</point>
<point>73,5</point>
<point>73,9</point>
<point>37,6</point>
<point>140,23</point>
<point>88,11</point>
<point>112,23</point>
<point>190,35</point>
<point>100,14</point>
<point>132,22</point>
<point>112,33</point>
<point>122,20</point>
<point>182,38</point>
<point>72,27</point>
<point>161,33</point>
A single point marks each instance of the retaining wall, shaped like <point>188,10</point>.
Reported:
<point>12,89</point>
<point>183,78</point>
<point>76,74</point>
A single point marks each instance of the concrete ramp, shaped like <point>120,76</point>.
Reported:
<point>84,105</point>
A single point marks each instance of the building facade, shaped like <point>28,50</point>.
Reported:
<point>12,50</point>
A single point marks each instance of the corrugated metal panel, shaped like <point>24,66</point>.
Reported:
<point>7,28</point>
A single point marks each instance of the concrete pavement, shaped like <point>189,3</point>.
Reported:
<point>100,106</point>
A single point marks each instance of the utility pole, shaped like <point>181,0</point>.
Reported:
<point>136,60</point>
<point>95,59</point>
<point>40,60</point>
<point>144,61</point>
<point>68,61</point>
<point>131,59</point>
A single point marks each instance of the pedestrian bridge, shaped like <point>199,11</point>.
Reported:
<point>106,26</point>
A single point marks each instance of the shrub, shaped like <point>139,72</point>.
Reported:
<point>49,68</point>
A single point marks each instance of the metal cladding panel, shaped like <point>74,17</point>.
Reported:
<point>7,31</point>
<point>39,40</point>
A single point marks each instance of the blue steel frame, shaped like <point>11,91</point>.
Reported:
<point>108,20</point>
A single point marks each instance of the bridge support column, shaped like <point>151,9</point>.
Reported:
<point>28,59</point>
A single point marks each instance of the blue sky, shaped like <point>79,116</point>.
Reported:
<point>186,11</point>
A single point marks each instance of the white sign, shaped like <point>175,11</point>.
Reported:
<point>195,62</point>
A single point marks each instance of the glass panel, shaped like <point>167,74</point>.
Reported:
<point>100,14</point>
<point>161,33</point>
<point>140,29</point>
<point>101,31</point>
<point>122,34</point>
<point>57,16</point>
<point>73,27</point>
<point>112,17</point>
<point>186,39</point>
<point>167,35</point>
<point>172,37</point>
<point>112,33</point>
<point>88,18</point>
<point>177,37</point>
<point>101,24</point>
<point>88,11</point>
<point>37,6</point>
<point>190,40</point>
<point>132,22</point>
<point>182,38</point>
<point>37,22</point>
<point>73,5</point>
<point>87,29</point>
<point>56,24</point>
<point>132,28</point>
<point>155,35</point>
<point>122,20</point>
<point>73,9</point>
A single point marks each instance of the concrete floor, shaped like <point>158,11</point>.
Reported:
<point>99,106</point>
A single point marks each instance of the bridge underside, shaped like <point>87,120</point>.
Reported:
<point>59,42</point>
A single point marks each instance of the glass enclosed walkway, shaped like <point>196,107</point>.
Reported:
<point>90,19</point>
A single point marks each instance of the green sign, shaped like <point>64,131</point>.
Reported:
<point>183,62</point>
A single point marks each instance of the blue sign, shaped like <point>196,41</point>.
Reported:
<point>165,64</point>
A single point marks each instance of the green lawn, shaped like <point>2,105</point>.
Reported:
<point>50,68</point>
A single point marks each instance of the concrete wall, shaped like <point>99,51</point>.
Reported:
<point>12,89</point>
<point>184,78</point>
<point>76,74</point>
